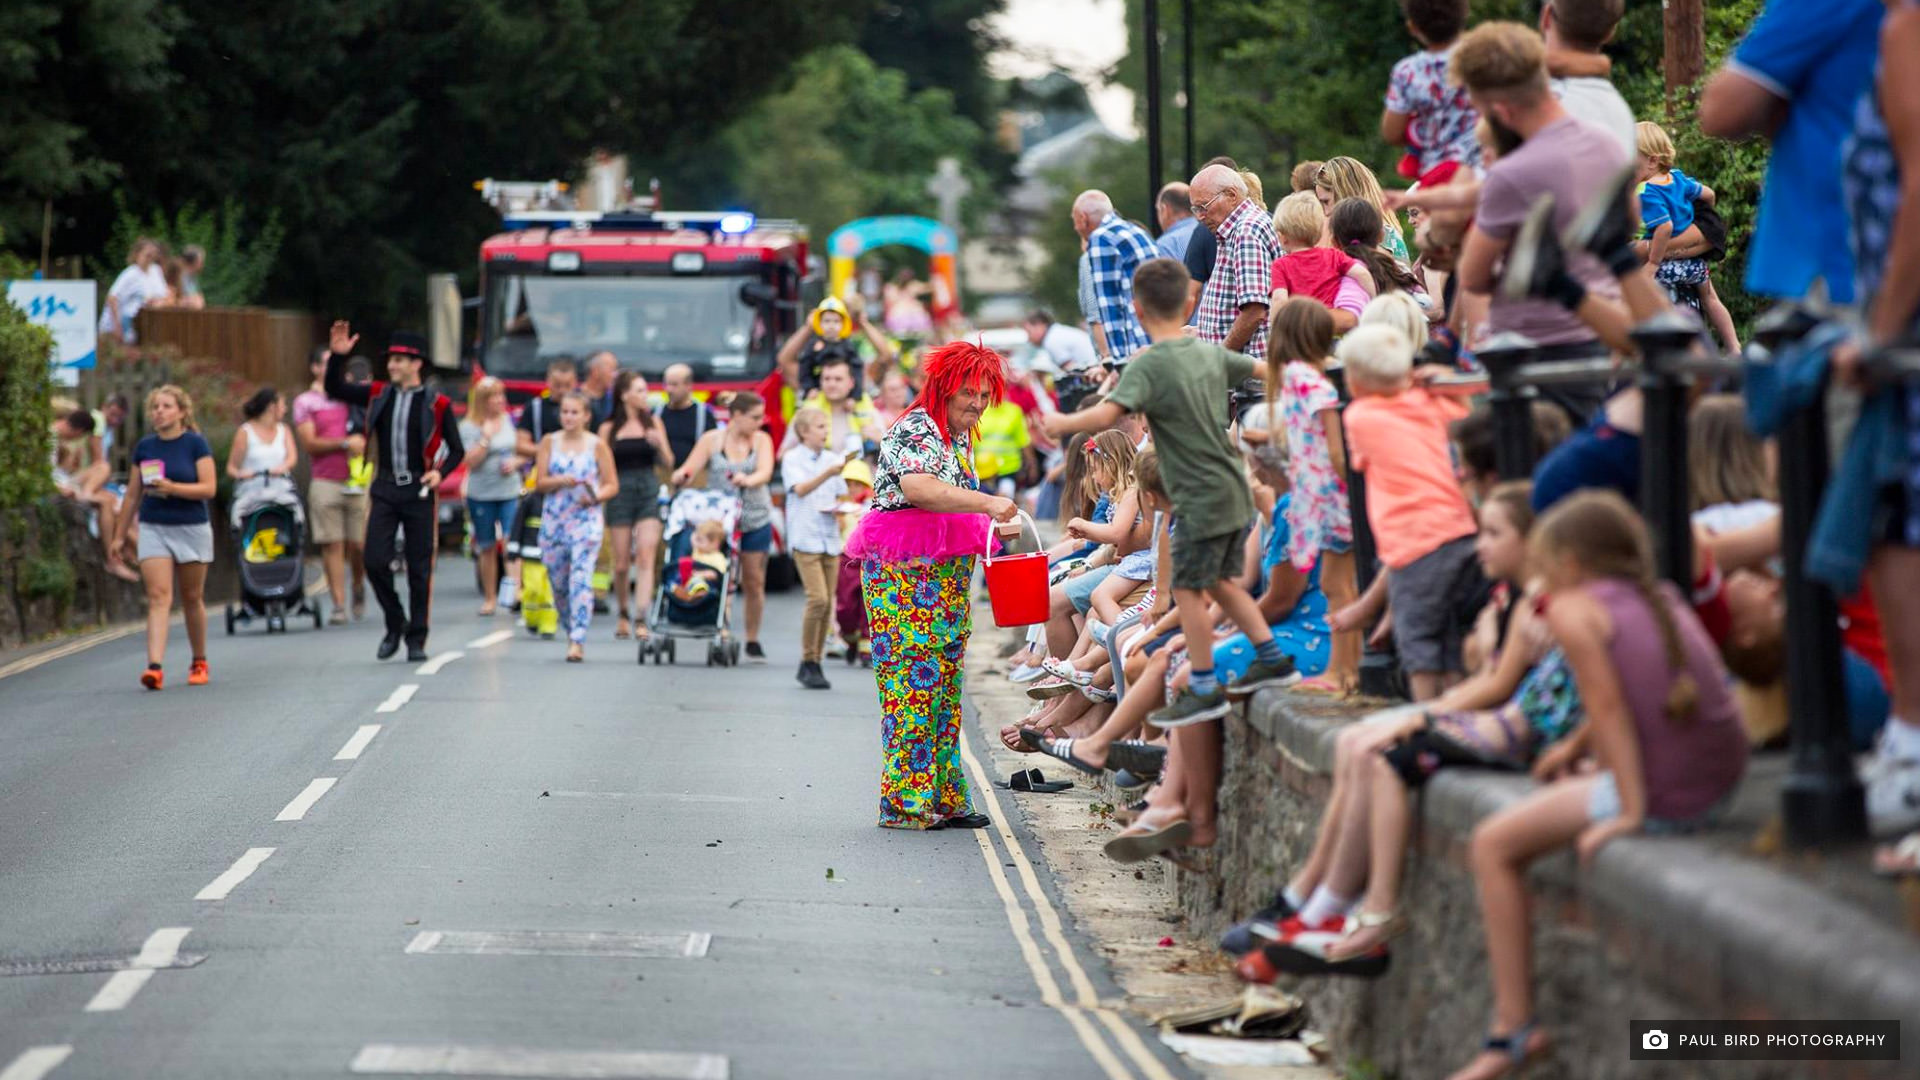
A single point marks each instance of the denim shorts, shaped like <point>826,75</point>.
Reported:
<point>1603,804</point>
<point>760,539</point>
<point>1080,589</point>
<point>491,518</point>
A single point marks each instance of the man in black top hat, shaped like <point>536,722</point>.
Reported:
<point>414,429</point>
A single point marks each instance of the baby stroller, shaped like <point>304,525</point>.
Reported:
<point>270,531</point>
<point>670,618</point>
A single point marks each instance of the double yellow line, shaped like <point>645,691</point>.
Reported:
<point>1132,1060</point>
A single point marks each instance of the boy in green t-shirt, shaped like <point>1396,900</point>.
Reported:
<point>1181,384</point>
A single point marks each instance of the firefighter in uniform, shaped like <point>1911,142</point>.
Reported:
<point>413,429</point>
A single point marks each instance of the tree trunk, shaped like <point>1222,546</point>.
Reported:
<point>1685,48</point>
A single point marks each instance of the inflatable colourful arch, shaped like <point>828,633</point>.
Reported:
<point>856,238</point>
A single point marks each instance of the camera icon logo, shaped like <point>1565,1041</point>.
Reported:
<point>1653,1039</point>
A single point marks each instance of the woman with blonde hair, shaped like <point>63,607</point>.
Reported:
<point>1344,178</point>
<point>168,489</point>
<point>493,479</point>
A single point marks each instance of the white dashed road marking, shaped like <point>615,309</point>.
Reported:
<point>490,640</point>
<point>237,873</point>
<point>36,1062</point>
<point>304,801</point>
<point>358,743</point>
<point>562,943</point>
<point>159,951</point>
<point>400,696</point>
<point>433,666</point>
<point>447,1060</point>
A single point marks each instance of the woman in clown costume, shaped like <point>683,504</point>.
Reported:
<point>916,546</point>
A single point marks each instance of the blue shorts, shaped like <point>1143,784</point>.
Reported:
<point>760,539</point>
<point>491,519</point>
<point>1080,589</point>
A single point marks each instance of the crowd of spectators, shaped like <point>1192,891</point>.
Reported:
<point>1242,371</point>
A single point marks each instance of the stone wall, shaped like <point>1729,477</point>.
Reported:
<point>1658,929</point>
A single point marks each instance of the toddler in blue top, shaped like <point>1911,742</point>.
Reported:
<point>1671,242</point>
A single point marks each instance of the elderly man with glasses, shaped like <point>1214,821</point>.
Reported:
<point>1233,305</point>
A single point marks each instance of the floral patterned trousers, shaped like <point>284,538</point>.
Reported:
<point>920,619</point>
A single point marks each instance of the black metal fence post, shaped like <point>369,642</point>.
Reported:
<point>1665,496</point>
<point>1821,800</point>
<point>1511,401</point>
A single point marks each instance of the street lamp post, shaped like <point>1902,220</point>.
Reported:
<point>1150,36</point>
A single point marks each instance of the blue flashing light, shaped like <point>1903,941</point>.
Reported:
<point>735,224</point>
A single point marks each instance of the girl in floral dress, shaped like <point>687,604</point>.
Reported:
<point>1319,523</point>
<point>575,472</point>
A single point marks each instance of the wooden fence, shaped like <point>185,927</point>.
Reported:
<point>259,345</point>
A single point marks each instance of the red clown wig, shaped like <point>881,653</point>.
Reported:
<point>956,366</point>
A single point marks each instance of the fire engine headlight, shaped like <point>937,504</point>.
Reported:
<point>688,262</point>
<point>563,262</point>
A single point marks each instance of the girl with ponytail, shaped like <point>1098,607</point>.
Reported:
<point>1661,725</point>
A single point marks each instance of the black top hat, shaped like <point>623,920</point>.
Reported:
<point>407,343</point>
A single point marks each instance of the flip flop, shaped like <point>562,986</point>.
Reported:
<point>1138,844</point>
<point>1063,749</point>
<point>1898,859</point>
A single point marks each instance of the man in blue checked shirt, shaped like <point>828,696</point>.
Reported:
<point>1115,249</point>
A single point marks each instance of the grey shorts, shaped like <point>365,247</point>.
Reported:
<point>1430,596</point>
<point>1201,562</point>
<point>639,498</point>
<point>181,543</point>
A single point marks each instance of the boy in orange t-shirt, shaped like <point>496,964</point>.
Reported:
<point>1422,526</point>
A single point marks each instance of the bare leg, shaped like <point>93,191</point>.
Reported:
<point>357,566</point>
<point>1719,317</point>
<point>1893,570</point>
<point>157,576</point>
<point>193,605</point>
<point>489,559</point>
<point>646,559</point>
<point>1060,630</point>
<point>622,538</point>
<point>333,558</point>
<point>1240,607</point>
<point>1501,848</point>
<point>1342,589</point>
<point>1200,750</point>
<point>1424,685</point>
<point>753,582</point>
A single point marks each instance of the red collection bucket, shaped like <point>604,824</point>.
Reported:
<point>1017,584</point>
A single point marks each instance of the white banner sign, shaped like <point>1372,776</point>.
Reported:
<point>68,309</point>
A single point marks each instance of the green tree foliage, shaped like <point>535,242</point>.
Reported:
<point>364,123</point>
<point>939,44</point>
<point>26,353</point>
<point>238,262</point>
<point>847,139</point>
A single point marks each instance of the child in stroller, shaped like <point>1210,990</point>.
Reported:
<point>270,531</point>
<point>694,597</point>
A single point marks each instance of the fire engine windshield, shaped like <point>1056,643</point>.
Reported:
<point>649,322</point>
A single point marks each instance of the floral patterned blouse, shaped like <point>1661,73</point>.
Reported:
<point>913,445</point>
<point>1440,117</point>
<point>1317,513</point>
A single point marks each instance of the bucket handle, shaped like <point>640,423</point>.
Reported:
<point>992,530</point>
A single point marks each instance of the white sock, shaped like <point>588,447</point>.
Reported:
<point>1324,904</point>
<point>1293,898</point>
<point>1900,740</point>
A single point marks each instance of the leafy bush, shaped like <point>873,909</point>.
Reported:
<point>26,443</point>
<point>238,263</point>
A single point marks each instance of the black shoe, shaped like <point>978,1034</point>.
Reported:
<point>1241,938</point>
<point>966,821</point>
<point>388,646</point>
<point>1607,226</point>
<point>416,654</point>
<point>812,677</point>
<point>755,653</point>
<point>1536,266</point>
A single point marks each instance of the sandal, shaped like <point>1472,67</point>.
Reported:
<point>1900,858</point>
<point>1138,843</point>
<point>576,653</point>
<point>1137,756</point>
<point>1516,1048</point>
<point>623,629</point>
<point>1390,925</point>
<point>1063,750</point>
<point>1066,672</point>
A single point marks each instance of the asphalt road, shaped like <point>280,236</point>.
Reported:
<point>530,869</point>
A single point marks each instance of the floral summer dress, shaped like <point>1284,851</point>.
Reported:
<point>1317,512</point>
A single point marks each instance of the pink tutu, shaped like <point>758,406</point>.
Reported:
<point>913,534</point>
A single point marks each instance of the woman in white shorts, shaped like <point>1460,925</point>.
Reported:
<point>168,489</point>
